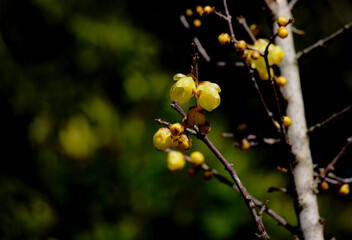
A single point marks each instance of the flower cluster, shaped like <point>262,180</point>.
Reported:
<point>275,56</point>
<point>176,160</point>
<point>207,93</point>
<point>165,138</point>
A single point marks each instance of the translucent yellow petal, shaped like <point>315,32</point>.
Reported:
<point>178,76</point>
<point>208,96</point>
<point>182,90</point>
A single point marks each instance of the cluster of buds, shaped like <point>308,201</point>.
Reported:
<point>201,12</point>
<point>174,136</point>
<point>286,122</point>
<point>344,189</point>
<point>282,31</point>
<point>176,161</point>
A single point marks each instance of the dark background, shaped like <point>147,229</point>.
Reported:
<point>81,83</point>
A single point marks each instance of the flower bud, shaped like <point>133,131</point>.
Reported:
<point>208,96</point>
<point>282,32</point>
<point>197,22</point>
<point>195,116</point>
<point>176,129</point>
<point>255,55</point>
<point>192,172</point>
<point>208,175</point>
<point>287,121</point>
<point>197,158</point>
<point>175,161</point>
<point>199,10</point>
<point>184,142</point>
<point>162,139</point>
<point>224,38</point>
<point>189,12</point>
<point>282,21</point>
<point>183,89</point>
<point>207,10</point>
<point>324,185</point>
<point>344,189</point>
<point>281,81</point>
<point>241,45</point>
<point>244,145</point>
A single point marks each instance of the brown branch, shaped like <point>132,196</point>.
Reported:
<point>188,130</point>
<point>281,221</point>
<point>230,169</point>
<point>241,20</point>
<point>322,42</point>
<point>331,165</point>
<point>333,116</point>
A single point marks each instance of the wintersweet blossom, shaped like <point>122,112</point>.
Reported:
<point>183,89</point>
<point>207,94</point>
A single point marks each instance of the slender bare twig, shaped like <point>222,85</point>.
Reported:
<point>291,4</point>
<point>281,221</point>
<point>251,75</point>
<point>322,42</point>
<point>333,116</point>
<point>241,20</point>
<point>230,169</point>
<point>331,165</point>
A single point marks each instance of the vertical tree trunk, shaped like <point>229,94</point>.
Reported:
<point>307,206</point>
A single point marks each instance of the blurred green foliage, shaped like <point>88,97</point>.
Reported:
<point>81,83</point>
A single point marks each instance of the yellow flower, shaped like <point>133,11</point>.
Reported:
<point>162,139</point>
<point>275,56</point>
<point>183,89</point>
<point>197,158</point>
<point>175,161</point>
<point>208,95</point>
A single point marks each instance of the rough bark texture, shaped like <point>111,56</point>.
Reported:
<point>307,206</point>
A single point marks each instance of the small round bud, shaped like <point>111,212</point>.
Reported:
<point>324,185</point>
<point>192,172</point>
<point>344,189</point>
<point>197,158</point>
<point>189,12</point>
<point>282,21</point>
<point>162,139</point>
<point>255,55</point>
<point>184,142</point>
<point>241,45</point>
<point>208,175</point>
<point>197,23</point>
<point>205,128</point>
<point>245,145</point>
<point>281,81</point>
<point>287,121</point>
<point>254,29</point>
<point>176,129</point>
<point>195,116</point>
<point>282,32</point>
<point>207,10</point>
<point>224,38</point>
<point>175,161</point>
<point>199,10</point>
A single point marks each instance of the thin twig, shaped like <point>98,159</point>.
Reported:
<point>291,4</point>
<point>241,20</point>
<point>281,221</point>
<point>229,167</point>
<point>331,165</point>
<point>322,42</point>
<point>333,116</point>
<point>188,130</point>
